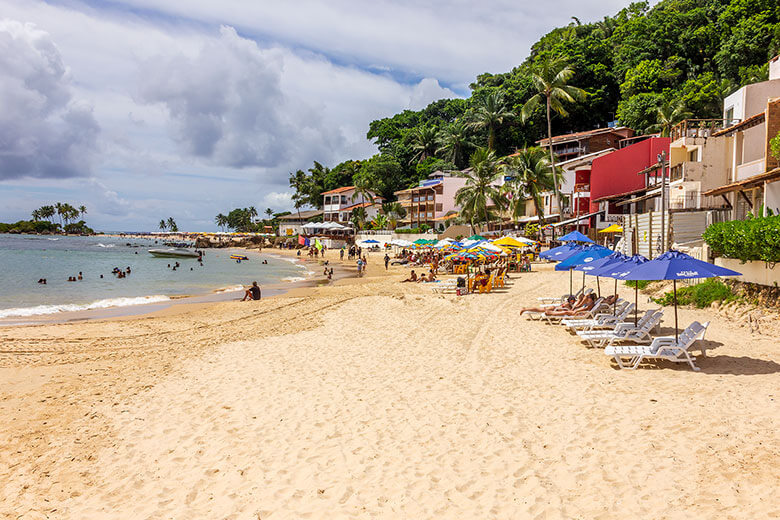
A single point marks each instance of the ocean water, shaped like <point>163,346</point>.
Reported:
<point>26,258</point>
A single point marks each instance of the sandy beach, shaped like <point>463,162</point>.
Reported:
<point>369,398</point>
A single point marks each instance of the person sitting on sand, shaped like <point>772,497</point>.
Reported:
<point>431,278</point>
<point>569,305</point>
<point>412,277</point>
<point>253,293</point>
<point>587,305</point>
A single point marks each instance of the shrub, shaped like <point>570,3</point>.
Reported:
<point>700,295</point>
<point>752,239</point>
<point>641,283</point>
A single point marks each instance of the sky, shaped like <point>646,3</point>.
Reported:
<point>145,109</point>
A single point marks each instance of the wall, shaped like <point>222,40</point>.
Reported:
<point>772,129</point>
<point>753,272</point>
<point>774,68</point>
<point>616,172</point>
<point>450,186</point>
<point>772,196</point>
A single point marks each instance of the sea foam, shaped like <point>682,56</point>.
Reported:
<point>73,307</point>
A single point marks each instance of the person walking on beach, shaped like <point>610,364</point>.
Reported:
<point>387,261</point>
<point>253,293</point>
<point>341,254</point>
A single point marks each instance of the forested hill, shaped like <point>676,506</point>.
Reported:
<point>682,56</point>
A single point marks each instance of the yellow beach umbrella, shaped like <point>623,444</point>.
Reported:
<point>512,242</point>
<point>614,228</point>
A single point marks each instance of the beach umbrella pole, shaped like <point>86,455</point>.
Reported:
<point>674,285</point>
<point>583,281</point>
<point>614,303</point>
<point>636,300</point>
<point>570,281</point>
<point>598,284</point>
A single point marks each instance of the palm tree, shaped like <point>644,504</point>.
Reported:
<point>269,212</point>
<point>359,217</point>
<point>251,212</point>
<point>490,113</point>
<point>380,222</point>
<point>36,214</point>
<point>362,189</point>
<point>480,192</point>
<point>551,80</point>
<point>668,115</point>
<point>59,207</point>
<point>298,182</point>
<point>453,143</point>
<point>47,212</point>
<point>424,142</point>
<point>163,225</point>
<point>82,210</point>
<point>532,176</point>
<point>172,225</point>
<point>220,220</point>
<point>394,211</point>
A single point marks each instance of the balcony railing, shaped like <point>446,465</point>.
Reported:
<point>695,200</point>
<point>581,187</point>
<point>699,127</point>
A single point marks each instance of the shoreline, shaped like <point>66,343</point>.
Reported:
<point>215,295</point>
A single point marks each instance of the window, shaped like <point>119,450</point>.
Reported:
<point>729,116</point>
<point>693,155</point>
<point>343,199</point>
<point>327,199</point>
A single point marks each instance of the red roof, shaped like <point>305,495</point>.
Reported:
<point>338,190</point>
<point>620,130</point>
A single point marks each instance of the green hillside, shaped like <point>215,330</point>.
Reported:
<point>681,56</point>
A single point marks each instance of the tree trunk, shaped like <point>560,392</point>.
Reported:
<point>552,160</point>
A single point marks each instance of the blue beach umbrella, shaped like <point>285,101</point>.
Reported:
<point>674,265</point>
<point>590,268</point>
<point>372,241</point>
<point>587,255</point>
<point>561,252</point>
<point>619,270</point>
<point>575,236</point>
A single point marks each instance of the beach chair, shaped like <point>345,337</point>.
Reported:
<point>499,281</point>
<point>582,314</point>
<point>601,320</point>
<point>662,347</point>
<point>441,287</point>
<point>562,299</point>
<point>488,286</point>
<point>624,332</point>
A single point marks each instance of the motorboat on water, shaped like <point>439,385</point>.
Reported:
<point>174,252</point>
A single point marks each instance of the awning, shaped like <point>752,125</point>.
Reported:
<point>744,125</point>
<point>523,220</point>
<point>446,217</point>
<point>638,199</point>
<point>624,194</point>
<point>750,182</point>
<point>577,219</point>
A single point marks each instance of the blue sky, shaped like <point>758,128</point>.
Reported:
<point>144,109</point>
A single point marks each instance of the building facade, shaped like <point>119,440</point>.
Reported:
<point>570,146</point>
<point>338,204</point>
<point>433,201</point>
<point>292,224</point>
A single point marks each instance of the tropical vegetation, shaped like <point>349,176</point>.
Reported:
<point>645,68</point>
<point>756,238</point>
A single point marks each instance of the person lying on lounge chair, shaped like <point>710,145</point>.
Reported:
<point>571,302</point>
<point>609,300</point>
<point>412,277</point>
<point>587,305</point>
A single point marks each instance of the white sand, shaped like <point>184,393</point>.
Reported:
<point>382,400</point>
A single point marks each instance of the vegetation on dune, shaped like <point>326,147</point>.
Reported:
<point>700,295</point>
<point>59,217</point>
<point>647,68</point>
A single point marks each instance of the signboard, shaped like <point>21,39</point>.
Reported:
<point>289,232</point>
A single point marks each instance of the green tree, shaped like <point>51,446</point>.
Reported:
<point>423,141</point>
<point>551,81</point>
<point>358,217</point>
<point>479,199</point>
<point>163,225</point>
<point>489,113</point>
<point>82,210</point>
<point>172,225</point>
<point>668,115</point>
<point>298,182</point>
<point>220,220</point>
<point>532,175</point>
<point>380,222</point>
<point>454,143</point>
<point>394,212</point>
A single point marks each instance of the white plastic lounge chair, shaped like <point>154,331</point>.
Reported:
<point>582,314</point>
<point>625,331</point>
<point>602,320</point>
<point>663,347</point>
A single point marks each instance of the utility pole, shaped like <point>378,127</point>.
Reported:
<point>662,161</point>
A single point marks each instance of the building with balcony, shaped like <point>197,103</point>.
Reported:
<point>432,201</point>
<point>571,146</point>
<point>338,204</point>
<point>292,224</point>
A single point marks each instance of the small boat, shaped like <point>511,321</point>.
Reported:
<point>174,252</point>
<point>239,257</point>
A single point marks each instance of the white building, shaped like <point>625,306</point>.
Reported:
<point>292,224</point>
<point>338,204</point>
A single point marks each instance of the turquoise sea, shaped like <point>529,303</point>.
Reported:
<point>24,259</point>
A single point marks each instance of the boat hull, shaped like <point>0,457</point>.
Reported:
<point>173,253</point>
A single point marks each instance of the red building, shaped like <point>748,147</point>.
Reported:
<point>617,176</point>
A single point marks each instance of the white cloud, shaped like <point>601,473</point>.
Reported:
<point>43,131</point>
